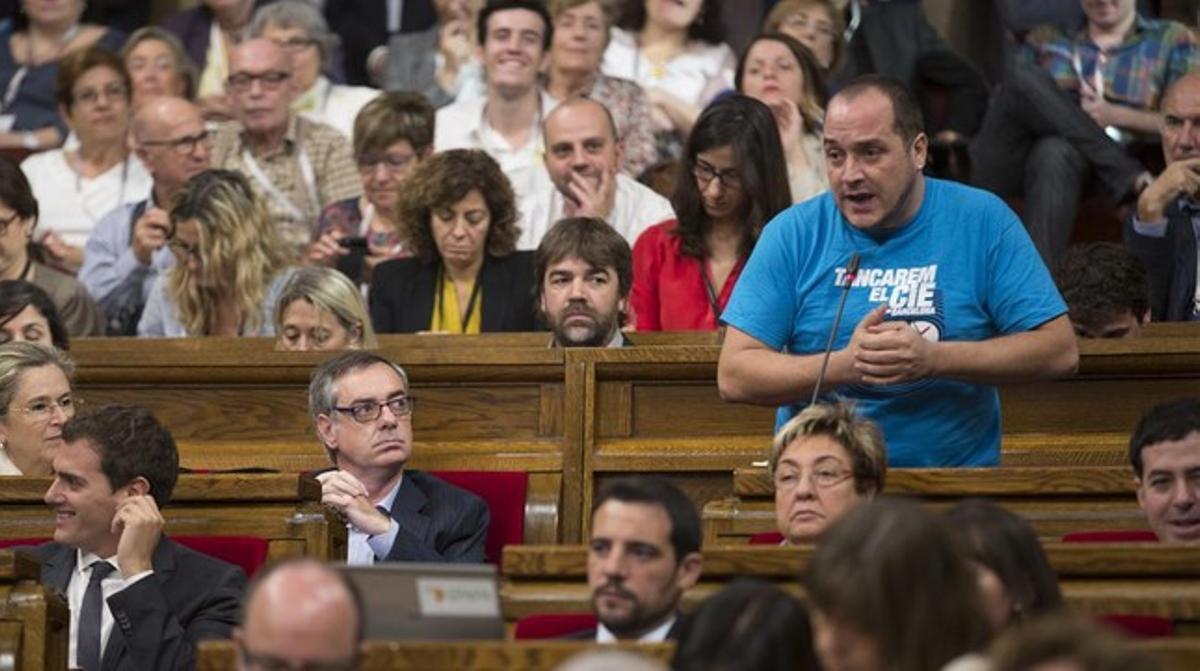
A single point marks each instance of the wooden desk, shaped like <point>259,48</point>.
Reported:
<point>34,621</point>
<point>283,508</point>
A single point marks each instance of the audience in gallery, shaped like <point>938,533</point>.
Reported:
<point>362,406</point>
<point>643,554</point>
<point>460,216</point>
<point>158,66</point>
<point>750,625</point>
<point>19,256</point>
<point>731,182</point>
<point>582,177</point>
<point>229,268</point>
<point>128,248</point>
<point>36,399</point>
<point>440,62</point>
<point>28,315</point>
<point>300,29</point>
<point>300,613</point>
<point>32,46</point>
<point>584,272</point>
<point>1165,453</point>
<point>876,603</point>
<point>297,166</point>
<point>1016,581</point>
<point>1106,290</point>
<point>321,309</point>
<point>816,25</point>
<point>1067,641</point>
<point>824,462</point>
<point>581,35</point>
<point>366,26</point>
<point>94,93</point>
<point>209,32</point>
<point>674,51</point>
<point>780,72</point>
<point>392,135</point>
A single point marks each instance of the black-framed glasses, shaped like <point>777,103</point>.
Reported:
<point>182,145</point>
<point>369,411</point>
<point>9,221</point>
<point>367,162</point>
<point>182,249</point>
<point>272,80</point>
<point>705,174</point>
<point>261,662</point>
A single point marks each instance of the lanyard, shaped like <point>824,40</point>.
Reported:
<point>475,290</point>
<point>712,292</point>
<point>14,84</point>
<point>280,198</point>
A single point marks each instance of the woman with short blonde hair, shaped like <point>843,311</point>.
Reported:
<point>321,309</point>
<point>36,399</point>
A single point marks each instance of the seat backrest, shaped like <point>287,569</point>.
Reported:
<point>766,538</point>
<point>248,552</point>
<point>504,493</point>
<point>1111,536</point>
<point>552,625</point>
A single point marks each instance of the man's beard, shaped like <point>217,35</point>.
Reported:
<point>595,333</point>
<point>637,622</point>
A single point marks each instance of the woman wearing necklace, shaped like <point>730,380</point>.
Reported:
<point>77,187</point>
<point>230,267</point>
<point>30,51</point>
<point>459,213</point>
<point>18,218</point>
<point>208,32</point>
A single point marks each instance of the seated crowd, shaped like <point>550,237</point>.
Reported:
<point>594,170</point>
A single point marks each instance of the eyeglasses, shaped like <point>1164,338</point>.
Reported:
<point>92,96</point>
<point>6,222</point>
<point>259,662</point>
<point>822,477</point>
<point>160,63</point>
<point>369,411</point>
<point>823,28</point>
<point>295,44</point>
<point>705,174</point>
<point>183,250</point>
<point>395,162</point>
<point>271,81</point>
<point>42,410</point>
<point>183,146</point>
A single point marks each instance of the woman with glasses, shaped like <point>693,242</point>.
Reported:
<point>77,187</point>
<point>732,180</point>
<point>158,66</point>
<point>230,266</point>
<point>300,29</point>
<point>36,399</point>
<point>392,134</point>
<point>824,462</point>
<point>814,23</point>
<point>28,315</point>
<point>19,256</point>
<point>459,214</point>
<point>320,309</point>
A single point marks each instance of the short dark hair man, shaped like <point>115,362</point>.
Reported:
<point>1106,290</point>
<point>138,600</point>
<point>1165,453</point>
<point>584,273</point>
<point>644,553</point>
<point>362,408</point>
<point>301,613</point>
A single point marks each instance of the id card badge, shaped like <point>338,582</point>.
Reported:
<point>6,122</point>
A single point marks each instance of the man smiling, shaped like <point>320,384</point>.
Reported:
<point>1165,453</point>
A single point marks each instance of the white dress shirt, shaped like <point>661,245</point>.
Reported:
<point>362,549</point>
<point>695,75</point>
<point>636,207</point>
<point>7,467</point>
<point>334,105</point>
<point>656,635</point>
<point>77,587</point>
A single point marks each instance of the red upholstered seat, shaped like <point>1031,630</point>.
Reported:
<point>1137,626</point>
<point>504,494</point>
<point>553,625</point>
<point>248,552</point>
<point>766,538</point>
<point>1111,536</point>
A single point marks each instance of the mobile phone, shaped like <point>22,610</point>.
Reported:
<point>353,243</point>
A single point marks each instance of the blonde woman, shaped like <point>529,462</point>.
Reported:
<point>321,309</point>
<point>230,266</point>
<point>36,398</point>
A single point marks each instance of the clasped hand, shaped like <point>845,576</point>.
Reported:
<point>888,352</point>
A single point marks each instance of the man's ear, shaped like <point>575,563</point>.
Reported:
<point>688,573</point>
<point>325,432</point>
<point>920,151</point>
<point>1145,319</point>
<point>139,486</point>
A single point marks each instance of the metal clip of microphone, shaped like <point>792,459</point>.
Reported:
<point>850,276</point>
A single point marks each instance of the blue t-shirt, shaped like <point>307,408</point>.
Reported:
<point>963,269</point>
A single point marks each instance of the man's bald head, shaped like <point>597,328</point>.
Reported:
<point>301,612</point>
<point>154,120</point>
<point>171,140</point>
<point>259,54</point>
<point>580,107</point>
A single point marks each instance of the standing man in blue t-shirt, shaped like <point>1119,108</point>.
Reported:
<point>950,298</point>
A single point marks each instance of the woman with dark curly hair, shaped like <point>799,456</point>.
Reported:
<point>459,215</point>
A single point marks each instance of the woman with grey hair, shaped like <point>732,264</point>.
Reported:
<point>37,397</point>
<point>158,65</point>
<point>300,29</point>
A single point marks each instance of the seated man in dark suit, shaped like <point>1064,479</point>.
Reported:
<point>584,273</point>
<point>644,553</point>
<point>138,600</point>
<point>363,412</point>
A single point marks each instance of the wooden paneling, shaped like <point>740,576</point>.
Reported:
<point>34,620</point>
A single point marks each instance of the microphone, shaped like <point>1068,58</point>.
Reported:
<point>851,274</point>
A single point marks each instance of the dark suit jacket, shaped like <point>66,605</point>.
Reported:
<point>590,634</point>
<point>438,521</point>
<point>1170,262</point>
<point>412,66</point>
<point>158,620</point>
<point>362,25</point>
<point>402,294</point>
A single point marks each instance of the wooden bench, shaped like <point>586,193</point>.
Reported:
<point>285,509</point>
<point>1055,499</point>
<point>34,621</point>
<point>1129,578</point>
<point>450,655</point>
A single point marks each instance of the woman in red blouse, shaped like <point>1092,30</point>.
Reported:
<point>732,181</point>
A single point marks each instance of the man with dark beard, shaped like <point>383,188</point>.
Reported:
<point>584,273</point>
<point>643,555</point>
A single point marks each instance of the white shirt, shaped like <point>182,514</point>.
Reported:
<point>334,104</point>
<point>363,549</point>
<point>695,75</point>
<point>636,207</point>
<point>7,467</point>
<point>656,635</point>
<point>77,587</point>
<point>71,205</point>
